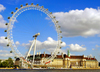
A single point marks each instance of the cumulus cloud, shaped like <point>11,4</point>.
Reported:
<point>2,7</point>
<point>5,54</point>
<point>17,43</point>
<point>90,55</point>
<point>76,48</point>
<point>3,41</point>
<point>2,22</point>
<point>49,44</point>
<point>3,51</point>
<point>79,22</point>
<point>96,47</point>
<point>13,2</point>
<point>92,48</point>
<point>47,18</point>
<point>59,50</point>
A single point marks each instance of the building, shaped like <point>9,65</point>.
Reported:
<point>67,61</point>
<point>64,61</point>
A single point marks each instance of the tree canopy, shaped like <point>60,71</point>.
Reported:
<point>7,63</point>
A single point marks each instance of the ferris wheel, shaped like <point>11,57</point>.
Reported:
<point>11,42</point>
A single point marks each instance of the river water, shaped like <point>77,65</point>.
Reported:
<point>54,70</point>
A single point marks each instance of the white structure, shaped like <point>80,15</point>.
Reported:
<point>10,35</point>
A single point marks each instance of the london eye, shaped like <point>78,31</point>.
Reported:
<point>10,37</point>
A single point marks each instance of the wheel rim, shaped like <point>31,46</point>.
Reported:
<point>32,7</point>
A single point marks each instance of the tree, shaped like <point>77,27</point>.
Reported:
<point>7,63</point>
<point>10,62</point>
<point>0,63</point>
<point>4,63</point>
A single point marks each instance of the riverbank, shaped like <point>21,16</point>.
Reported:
<point>50,70</point>
<point>86,68</point>
<point>6,68</point>
<point>61,68</point>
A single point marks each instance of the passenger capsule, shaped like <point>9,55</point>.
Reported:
<point>6,24</point>
<point>41,6</point>
<point>46,9</point>
<point>61,37</point>
<point>8,17</point>
<point>10,51</point>
<point>50,12</point>
<point>14,57</point>
<point>54,17</point>
<point>60,31</point>
<point>26,4</point>
<point>37,4</point>
<point>5,31</point>
<point>31,3</point>
<point>16,8</point>
<point>12,12</point>
<point>21,5</point>
<point>59,26</point>
<point>7,45</point>
<point>56,21</point>
<point>61,42</point>
<point>58,52</point>
<point>5,37</point>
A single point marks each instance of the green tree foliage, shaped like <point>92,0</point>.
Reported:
<point>4,63</point>
<point>10,62</point>
<point>0,63</point>
<point>7,63</point>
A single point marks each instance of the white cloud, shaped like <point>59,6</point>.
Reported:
<point>85,56</point>
<point>96,47</point>
<point>59,50</point>
<point>47,18</point>
<point>49,44</point>
<point>79,22</point>
<point>3,51</point>
<point>90,55</point>
<point>13,2</point>
<point>2,22</point>
<point>5,54</point>
<point>2,7</point>
<point>76,48</point>
<point>93,49</point>
<point>17,43</point>
<point>3,41</point>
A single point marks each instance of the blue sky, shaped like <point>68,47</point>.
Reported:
<point>79,21</point>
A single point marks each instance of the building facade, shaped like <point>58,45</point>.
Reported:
<point>64,61</point>
<point>67,61</point>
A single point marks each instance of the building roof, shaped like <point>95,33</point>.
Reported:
<point>90,58</point>
<point>59,57</point>
<point>65,56</point>
<point>76,57</point>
